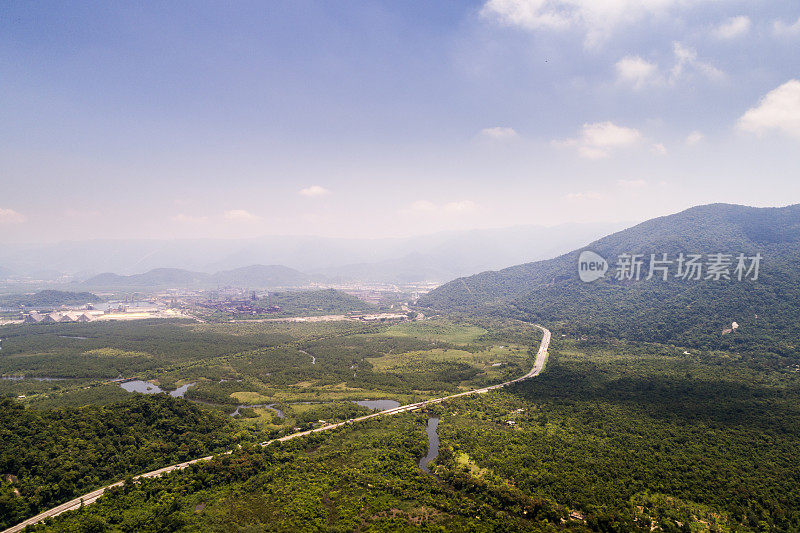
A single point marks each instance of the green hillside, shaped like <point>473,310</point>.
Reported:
<point>680,311</point>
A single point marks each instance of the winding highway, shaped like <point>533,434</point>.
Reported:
<point>86,499</point>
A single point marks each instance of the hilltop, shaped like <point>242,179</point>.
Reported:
<point>256,276</point>
<point>49,298</point>
<point>680,311</point>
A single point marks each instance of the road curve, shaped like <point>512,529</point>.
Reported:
<point>86,499</point>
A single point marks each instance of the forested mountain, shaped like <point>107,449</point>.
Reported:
<point>677,310</point>
<point>49,298</point>
<point>154,278</point>
<point>251,276</point>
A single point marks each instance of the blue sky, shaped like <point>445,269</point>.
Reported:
<point>369,119</point>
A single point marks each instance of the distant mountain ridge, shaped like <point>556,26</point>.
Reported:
<point>434,257</point>
<point>253,276</point>
<point>677,311</point>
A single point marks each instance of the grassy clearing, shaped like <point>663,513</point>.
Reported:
<point>483,359</point>
<point>436,330</point>
<point>464,461</point>
<point>247,397</point>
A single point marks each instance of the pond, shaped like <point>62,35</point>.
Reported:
<point>433,444</point>
<point>145,387</point>
<point>180,391</point>
<point>379,405</point>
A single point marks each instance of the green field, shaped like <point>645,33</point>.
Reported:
<point>437,330</point>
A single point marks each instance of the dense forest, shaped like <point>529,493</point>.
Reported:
<point>48,457</point>
<point>362,478</point>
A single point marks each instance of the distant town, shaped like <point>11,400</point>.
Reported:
<point>367,303</point>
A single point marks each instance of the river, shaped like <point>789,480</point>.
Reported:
<point>145,387</point>
<point>433,444</point>
<point>378,405</point>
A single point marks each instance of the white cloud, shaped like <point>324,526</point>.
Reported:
<point>314,190</point>
<point>640,73</point>
<point>609,135</point>
<point>461,206</point>
<point>9,216</point>
<point>694,138</point>
<point>584,196</point>
<point>631,184</point>
<point>597,18</point>
<point>529,14</point>
<point>240,215</point>
<point>658,149</point>
<point>596,141</point>
<point>781,29</point>
<point>499,133</point>
<point>779,110</point>
<point>189,219</point>
<point>686,61</point>
<point>636,71</point>
<point>733,27</point>
<point>591,152</point>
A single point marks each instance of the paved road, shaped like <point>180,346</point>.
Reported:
<point>86,499</point>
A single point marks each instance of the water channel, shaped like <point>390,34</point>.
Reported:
<point>145,387</point>
<point>379,405</point>
<point>433,444</point>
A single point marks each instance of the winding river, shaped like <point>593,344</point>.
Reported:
<point>145,387</point>
<point>433,444</point>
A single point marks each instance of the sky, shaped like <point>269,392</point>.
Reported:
<point>371,119</point>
